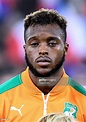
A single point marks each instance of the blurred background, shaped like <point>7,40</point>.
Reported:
<point>12,14</point>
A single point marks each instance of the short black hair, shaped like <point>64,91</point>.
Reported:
<point>45,17</point>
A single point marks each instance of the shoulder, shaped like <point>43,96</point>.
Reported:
<point>11,83</point>
<point>77,86</point>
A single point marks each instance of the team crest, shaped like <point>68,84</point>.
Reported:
<point>70,109</point>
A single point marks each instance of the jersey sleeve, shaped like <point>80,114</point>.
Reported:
<point>4,107</point>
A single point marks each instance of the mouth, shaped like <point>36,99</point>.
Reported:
<point>43,61</point>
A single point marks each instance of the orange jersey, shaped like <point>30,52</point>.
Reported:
<point>22,101</point>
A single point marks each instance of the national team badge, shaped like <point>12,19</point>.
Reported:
<point>70,109</point>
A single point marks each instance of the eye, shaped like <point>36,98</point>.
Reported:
<point>52,44</point>
<point>34,44</point>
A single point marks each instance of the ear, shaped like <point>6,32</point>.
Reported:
<point>24,46</point>
<point>66,46</point>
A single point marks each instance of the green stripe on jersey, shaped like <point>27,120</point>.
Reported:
<point>9,84</point>
<point>77,86</point>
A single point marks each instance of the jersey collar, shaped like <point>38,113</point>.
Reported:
<point>33,89</point>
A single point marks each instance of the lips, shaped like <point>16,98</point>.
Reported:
<point>43,61</point>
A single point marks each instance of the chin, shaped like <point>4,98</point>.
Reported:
<point>43,72</point>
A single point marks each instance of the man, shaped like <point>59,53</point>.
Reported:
<point>43,87</point>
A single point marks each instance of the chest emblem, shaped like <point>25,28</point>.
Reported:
<point>17,109</point>
<point>70,109</point>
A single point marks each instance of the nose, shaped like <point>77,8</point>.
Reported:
<point>43,49</point>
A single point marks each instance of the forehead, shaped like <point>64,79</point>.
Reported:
<point>42,30</point>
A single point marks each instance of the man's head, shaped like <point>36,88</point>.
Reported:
<point>57,117</point>
<point>45,38</point>
<point>45,17</point>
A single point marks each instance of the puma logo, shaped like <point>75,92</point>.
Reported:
<point>17,109</point>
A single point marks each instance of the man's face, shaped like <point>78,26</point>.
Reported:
<point>45,49</point>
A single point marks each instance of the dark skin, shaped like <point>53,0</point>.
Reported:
<point>45,48</point>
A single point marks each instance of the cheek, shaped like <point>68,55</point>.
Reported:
<point>57,53</point>
<point>32,54</point>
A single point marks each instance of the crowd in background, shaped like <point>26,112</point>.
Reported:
<point>12,14</point>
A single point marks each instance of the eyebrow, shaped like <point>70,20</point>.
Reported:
<point>48,38</point>
<point>30,38</point>
<point>53,38</point>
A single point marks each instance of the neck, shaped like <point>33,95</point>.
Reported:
<point>46,84</point>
